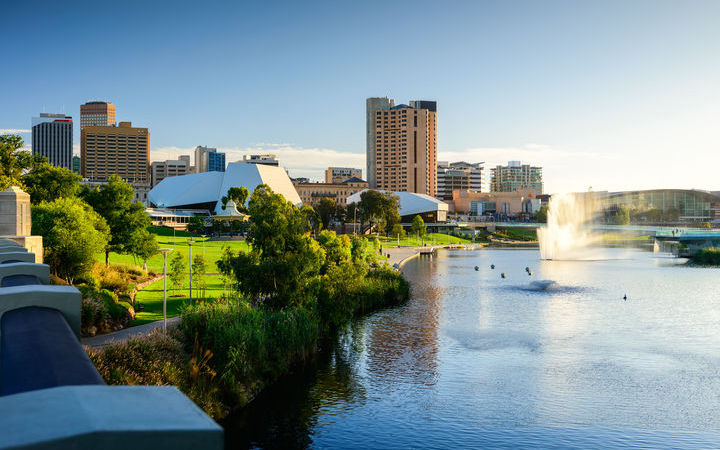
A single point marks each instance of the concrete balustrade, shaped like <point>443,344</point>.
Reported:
<point>39,271</point>
<point>66,299</point>
<point>106,417</point>
<point>11,248</point>
<point>17,257</point>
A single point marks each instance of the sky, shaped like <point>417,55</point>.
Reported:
<point>608,95</point>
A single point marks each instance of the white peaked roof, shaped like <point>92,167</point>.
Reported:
<point>410,202</point>
<point>209,187</point>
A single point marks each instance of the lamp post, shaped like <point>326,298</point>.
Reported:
<point>165,252</point>
<point>190,242</point>
<point>203,236</point>
<point>355,219</point>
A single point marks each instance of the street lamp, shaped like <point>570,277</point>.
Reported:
<point>190,242</point>
<point>203,236</point>
<point>165,252</point>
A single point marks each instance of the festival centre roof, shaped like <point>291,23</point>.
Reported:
<point>410,202</point>
<point>205,190</point>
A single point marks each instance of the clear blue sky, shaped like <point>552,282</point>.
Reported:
<point>608,94</point>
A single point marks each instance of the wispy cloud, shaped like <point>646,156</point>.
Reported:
<point>14,131</point>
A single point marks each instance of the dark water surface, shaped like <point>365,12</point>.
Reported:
<point>473,360</point>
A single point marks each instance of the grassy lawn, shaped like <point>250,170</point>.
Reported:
<point>152,298</point>
<point>213,250</point>
<point>430,239</point>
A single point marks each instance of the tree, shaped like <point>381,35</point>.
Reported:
<point>418,226</point>
<point>622,216</point>
<point>326,209</point>
<point>144,245</point>
<point>378,209</point>
<point>176,271</point>
<point>45,182</point>
<point>541,214</point>
<point>114,202</point>
<point>398,231</point>
<point>199,268</point>
<point>238,195</point>
<point>337,248</point>
<point>284,260</point>
<point>196,225</point>
<point>72,235</point>
<point>14,161</point>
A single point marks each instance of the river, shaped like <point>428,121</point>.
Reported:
<point>475,360</point>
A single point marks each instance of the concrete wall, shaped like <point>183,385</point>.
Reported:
<point>41,271</point>
<point>14,212</point>
<point>66,299</point>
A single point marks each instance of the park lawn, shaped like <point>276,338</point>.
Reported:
<point>165,238</point>
<point>609,238</point>
<point>152,299</point>
<point>430,239</point>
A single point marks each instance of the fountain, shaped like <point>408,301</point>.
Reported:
<point>568,235</point>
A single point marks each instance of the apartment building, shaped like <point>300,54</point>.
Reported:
<point>403,152</point>
<point>340,174</point>
<point>515,177</point>
<point>267,159</point>
<point>159,170</point>
<point>52,136</point>
<point>123,150</point>
<point>458,175</point>
<point>208,159</point>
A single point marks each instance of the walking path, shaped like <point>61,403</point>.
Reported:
<point>98,342</point>
<point>402,254</point>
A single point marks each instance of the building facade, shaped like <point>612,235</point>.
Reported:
<point>267,159</point>
<point>372,105</point>
<point>458,176</point>
<point>312,193</point>
<point>76,164</point>
<point>404,149</point>
<point>495,203</point>
<point>515,177</point>
<point>208,159</point>
<point>664,206</point>
<point>159,170</point>
<point>123,150</point>
<point>340,174</point>
<point>52,136</point>
<point>97,114</point>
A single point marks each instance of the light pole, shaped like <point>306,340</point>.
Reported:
<point>190,242</point>
<point>355,219</point>
<point>203,236</point>
<point>165,252</point>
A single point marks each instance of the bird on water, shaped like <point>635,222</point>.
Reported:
<point>625,297</point>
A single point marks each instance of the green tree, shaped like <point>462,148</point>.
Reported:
<point>327,210</point>
<point>196,225</point>
<point>176,270</point>
<point>418,226</point>
<point>541,214</point>
<point>622,216</point>
<point>72,235</point>
<point>337,248</point>
<point>284,261</point>
<point>398,231</point>
<point>199,269</point>
<point>114,201</point>
<point>239,195</point>
<point>144,245</point>
<point>379,209</point>
<point>14,161</point>
<point>45,182</point>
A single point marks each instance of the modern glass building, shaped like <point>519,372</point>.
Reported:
<point>216,162</point>
<point>52,136</point>
<point>666,205</point>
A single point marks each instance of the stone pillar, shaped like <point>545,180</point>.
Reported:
<point>15,221</point>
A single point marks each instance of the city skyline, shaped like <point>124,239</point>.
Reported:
<point>608,99</point>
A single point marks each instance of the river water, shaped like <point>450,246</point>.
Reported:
<point>475,360</point>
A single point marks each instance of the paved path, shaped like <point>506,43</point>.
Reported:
<point>397,255</point>
<point>97,342</point>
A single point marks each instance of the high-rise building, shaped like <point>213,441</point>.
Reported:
<point>458,175</point>
<point>517,176</point>
<point>76,164</point>
<point>52,136</point>
<point>208,159</point>
<point>267,159</point>
<point>97,114</point>
<point>404,146</point>
<point>340,174</point>
<point>159,170</point>
<point>122,150</point>
<point>372,105</point>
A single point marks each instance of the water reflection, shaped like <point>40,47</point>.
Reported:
<point>476,360</point>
